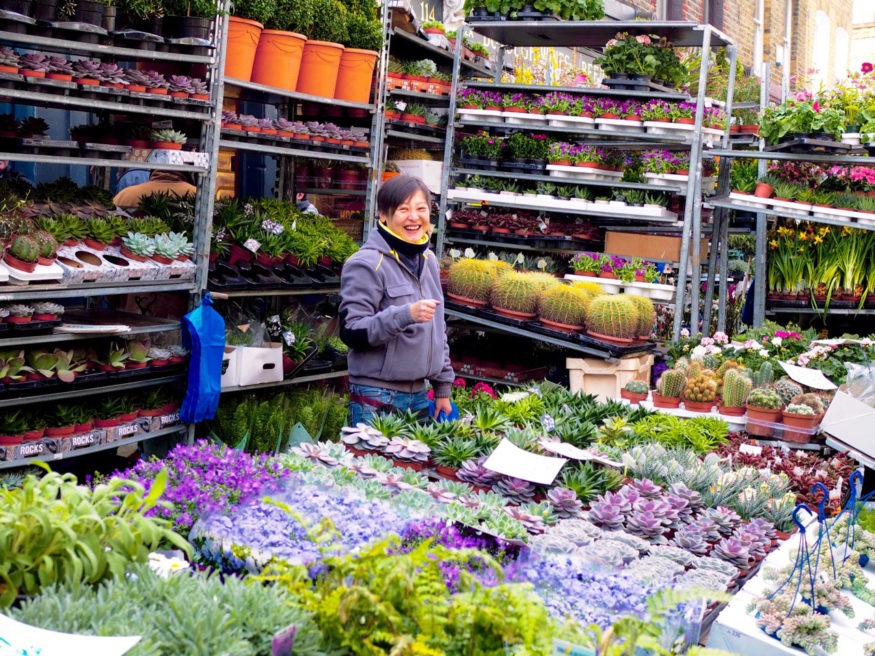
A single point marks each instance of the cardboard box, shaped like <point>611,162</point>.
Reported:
<point>850,421</point>
<point>647,246</point>
<point>260,365</point>
<point>430,171</point>
<point>230,367</point>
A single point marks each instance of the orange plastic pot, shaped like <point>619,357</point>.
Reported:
<point>278,59</point>
<point>243,36</point>
<point>355,76</point>
<point>320,65</point>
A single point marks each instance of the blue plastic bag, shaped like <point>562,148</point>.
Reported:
<point>443,416</point>
<point>204,335</point>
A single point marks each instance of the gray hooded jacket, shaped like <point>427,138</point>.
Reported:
<point>387,348</point>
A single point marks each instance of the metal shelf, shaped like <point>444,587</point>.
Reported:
<point>420,96</point>
<point>163,326</point>
<point>100,161</point>
<point>426,49</point>
<point>424,138</point>
<point>587,91</point>
<point>594,34</point>
<point>494,381</point>
<point>586,211</point>
<point>670,189</point>
<point>64,455</point>
<point>819,311</point>
<point>804,157</point>
<point>609,139</point>
<point>843,222</point>
<point>98,50</point>
<point>119,103</point>
<point>514,247</point>
<point>332,192</point>
<point>254,92</point>
<point>297,380</point>
<point>76,392</point>
<point>247,293</point>
<point>569,344</point>
<point>12,293</point>
<point>265,149</point>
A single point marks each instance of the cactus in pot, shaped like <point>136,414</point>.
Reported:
<point>646,315</point>
<point>763,408</point>
<point>48,245</point>
<point>764,375</point>
<point>25,249</point>
<point>669,388</point>
<point>515,291</point>
<point>765,398</point>
<point>700,393</point>
<point>613,318</point>
<point>787,389</point>
<point>470,281</point>
<point>564,305</point>
<point>736,388</point>
<point>635,391</point>
<point>801,417</point>
<point>813,401</point>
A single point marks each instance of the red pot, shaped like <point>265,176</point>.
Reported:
<point>60,431</point>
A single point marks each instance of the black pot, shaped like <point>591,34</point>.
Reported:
<point>187,27</point>
<point>88,11</point>
<point>46,11</point>
<point>22,7</point>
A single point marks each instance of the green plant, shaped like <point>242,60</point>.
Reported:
<point>799,409</point>
<point>12,424</point>
<point>169,136</point>
<point>671,383</point>
<point>764,375</point>
<point>764,397</point>
<point>53,530</point>
<point>636,387</point>
<point>516,291</point>
<point>701,389</point>
<point>787,389</point>
<point>565,304</point>
<point>109,407</point>
<point>25,248</point>
<point>100,230</point>
<point>613,316</point>
<point>257,10</point>
<point>736,388</point>
<point>137,351</point>
<point>48,245</point>
<point>453,451</point>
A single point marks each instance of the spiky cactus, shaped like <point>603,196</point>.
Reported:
<point>516,291</point>
<point>646,315</point>
<point>764,397</point>
<point>710,361</point>
<point>701,389</point>
<point>563,304</point>
<point>24,248</point>
<point>682,364</point>
<point>695,369</point>
<point>736,387</point>
<point>471,278</point>
<point>787,389</point>
<point>613,316</point>
<point>813,401</point>
<point>636,387</point>
<point>672,383</point>
<point>764,375</point>
<point>48,245</point>
<point>724,367</point>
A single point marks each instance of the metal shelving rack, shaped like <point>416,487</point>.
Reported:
<point>70,98</point>
<point>595,34</point>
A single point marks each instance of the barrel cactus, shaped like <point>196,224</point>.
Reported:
<point>636,387</point>
<point>764,397</point>
<point>813,401</point>
<point>471,278</point>
<point>613,316</point>
<point>646,315</point>
<point>24,248</point>
<point>516,291</point>
<point>563,304</point>
<point>671,383</point>
<point>593,288</point>
<point>702,389</point>
<point>787,389</point>
<point>736,387</point>
<point>48,245</point>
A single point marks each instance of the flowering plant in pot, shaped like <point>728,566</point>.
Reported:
<point>469,99</point>
<point>656,110</point>
<point>586,263</point>
<point>763,406</point>
<point>628,54</point>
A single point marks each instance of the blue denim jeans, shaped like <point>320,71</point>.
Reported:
<point>384,402</point>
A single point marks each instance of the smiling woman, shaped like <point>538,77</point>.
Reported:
<point>391,310</point>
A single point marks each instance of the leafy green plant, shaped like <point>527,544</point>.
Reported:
<point>52,530</point>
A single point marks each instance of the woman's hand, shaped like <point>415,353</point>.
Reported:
<point>442,405</point>
<point>423,310</point>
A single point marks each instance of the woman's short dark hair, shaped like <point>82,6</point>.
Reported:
<point>396,190</point>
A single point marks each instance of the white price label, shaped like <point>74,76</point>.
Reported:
<point>252,245</point>
<point>288,337</point>
<point>400,105</point>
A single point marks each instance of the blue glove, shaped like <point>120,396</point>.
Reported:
<point>443,416</point>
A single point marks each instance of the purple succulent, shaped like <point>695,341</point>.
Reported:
<point>229,117</point>
<point>266,124</point>
<point>656,506</point>
<point>156,80</point>
<point>725,518</point>
<point>765,527</point>
<point>565,502</point>
<point>647,525</point>
<point>247,120</point>
<point>111,74</point>
<point>679,505</point>
<point>732,551</point>
<point>515,489</point>
<point>606,515</point>
<point>88,68</point>
<point>620,500</point>
<point>199,86</point>
<point>393,481</point>
<point>470,502</point>
<point>59,65</point>
<point>680,490</point>
<point>532,523</point>
<point>647,488</point>
<point>135,77</point>
<point>439,494</point>
<point>34,61</point>
<point>181,84</point>
<point>318,453</point>
<point>8,57</point>
<point>706,527</point>
<point>473,472</point>
<point>691,541</point>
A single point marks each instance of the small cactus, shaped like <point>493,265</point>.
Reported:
<point>564,304</point>
<point>516,291</point>
<point>48,245</point>
<point>613,316</point>
<point>724,367</point>
<point>672,383</point>
<point>710,361</point>
<point>646,315</point>
<point>813,401</point>
<point>764,375</point>
<point>799,409</point>
<point>736,387</point>
<point>682,364</point>
<point>787,389</point>
<point>701,389</point>
<point>636,387</point>
<point>764,397</point>
<point>695,369</point>
<point>25,248</point>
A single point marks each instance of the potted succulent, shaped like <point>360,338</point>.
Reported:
<point>700,393</point>
<point>199,89</point>
<point>736,388</point>
<point>802,417</point>
<point>108,412</point>
<point>136,80</point>
<point>48,247</point>
<point>99,232</point>
<point>156,83</point>
<point>137,246</point>
<point>9,60</point>
<point>563,307</point>
<point>763,407</point>
<point>23,253</point>
<point>139,135</point>
<point>62,420</point>
<point>33,64</point>
<point>669,388</point>
<point>59,69</point>
<point>168,139</point>
<point>159,357</point>
<point>470,282</point>
<point>635,391</point>
<point>87,72</point>
<point>19,313</point>
<point>112,76</point>
<point>47,311</point>
<point>612,318</point>
<point>13,425</point>
<point>178,354</point>
<point>138,355</point>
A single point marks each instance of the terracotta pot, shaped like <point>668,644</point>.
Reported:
<point>355,75</point>
<point>469,302</point>
<point>804,422</point>
<point>11,440</point>
<point>60,431</point>
<point>166,145</point>
<point>15,263</point>
<point>660,401</point>
<point>84,428</point>
<point>107,423</point>
<point>633,397</point>
<point>763,415</point>
<point>610,338</point>
<point>278,59</point>
<point>561,327</point>
<point>34,434</point>
<point>731,410</point>
<point>18,319</point>
<point>513,314</point>
<point>698,406</point>
<point>93,243</point>
<point>133,256</point>
<point>763,190</point>
<point>447,472</point>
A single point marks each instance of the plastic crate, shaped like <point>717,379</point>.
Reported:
<point>606,379</point>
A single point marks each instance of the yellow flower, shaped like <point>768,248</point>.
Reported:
<point>773,244</point>
<point>818,239</point>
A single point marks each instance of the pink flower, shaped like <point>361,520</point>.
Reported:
<point>867,67</point>
<point>643,39</point>
<point>721,338</point>
<point>460,382</point>
<point>816,106</point>
<point>485,388</point>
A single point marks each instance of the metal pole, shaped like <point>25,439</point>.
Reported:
<point>725,180</point>
<point>759,282</point>
<point>378,125</point>
<point>693,208</point>
<point>450,141</point>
